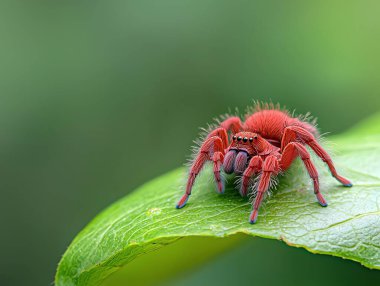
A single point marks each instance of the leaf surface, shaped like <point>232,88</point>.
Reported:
<point>147,220</point>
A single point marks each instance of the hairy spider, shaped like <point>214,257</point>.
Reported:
<point>264,145</point>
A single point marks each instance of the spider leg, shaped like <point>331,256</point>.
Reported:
<point>291,151</point>
<point>232,123</point>
<point>212,145</point>
<point>293,132</point>
<point>217,158</point>
<point>270,167</point>
<point>221,133</point>
<point>213,148</point>
<point>253,168</point>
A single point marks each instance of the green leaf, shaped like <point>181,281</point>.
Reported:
<point>147,219</point>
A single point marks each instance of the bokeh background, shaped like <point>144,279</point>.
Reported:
<point>98,97</point>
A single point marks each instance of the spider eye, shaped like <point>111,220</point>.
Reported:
<point>245,139</point>
<point>239,138</point>
<point>234,138</point>
<point>255,137</point>
<point>250,139</point>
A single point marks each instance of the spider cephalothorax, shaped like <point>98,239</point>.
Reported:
<point>264,145</point>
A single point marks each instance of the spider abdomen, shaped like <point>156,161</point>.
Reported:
<point>271,123</point>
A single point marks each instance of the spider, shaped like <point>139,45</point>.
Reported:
<point>265,145</point>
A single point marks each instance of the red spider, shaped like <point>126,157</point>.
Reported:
<point>265,144</point>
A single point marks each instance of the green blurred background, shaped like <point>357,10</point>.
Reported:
<point>97,97</point>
